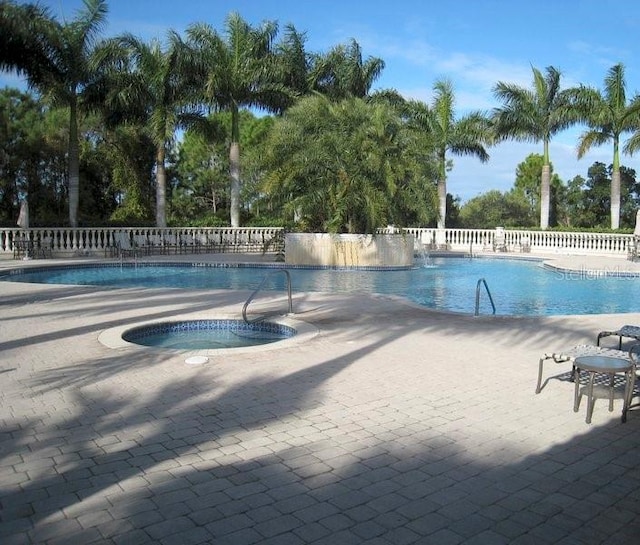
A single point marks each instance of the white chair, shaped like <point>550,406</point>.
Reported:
<point>499,240</point>
<point>124,245</point>
<point>170,243</point>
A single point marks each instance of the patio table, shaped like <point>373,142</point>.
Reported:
<point>607,365</point>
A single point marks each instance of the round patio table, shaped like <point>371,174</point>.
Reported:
<point>607,365</point>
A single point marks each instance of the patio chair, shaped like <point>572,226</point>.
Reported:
<point>141,243</point>
<point>568,356</point>
<point>155,245</point>
<point>634,356</point>
<point>628,331</point>
<point>45,246</point>
<point>22,247</point>
<point>634,246</point>
<point>124,245</point>
<point>499,240</point>
<point>633,249</point>
<point>189,244</point>
<point>171,244</point>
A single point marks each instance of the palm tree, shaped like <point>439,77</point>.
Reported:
<point>240,72</point>
<point>342,73</point>
<point>54,57</point>
<point>608,116</point>
<point>536,115</point>
<point>467,135</point>
<point>344,166</point>
<point>293,66</point>
<point>153,90</point>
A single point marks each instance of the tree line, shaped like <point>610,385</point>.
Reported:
<point>96,136</point>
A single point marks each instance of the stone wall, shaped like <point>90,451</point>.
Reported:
<point>320,249</point>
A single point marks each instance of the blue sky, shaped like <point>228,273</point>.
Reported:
<point>474,43</point>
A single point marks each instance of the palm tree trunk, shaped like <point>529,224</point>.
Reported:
<point>442,203</point>
<point>545,183</point>
<point>615,198</point>
<point>74,164</point>
<point>615,187</point>
<point>234,170</point>
<point>161,188</point>
<point>442,191</point>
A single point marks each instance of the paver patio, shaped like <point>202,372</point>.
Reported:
<point>394,425</point>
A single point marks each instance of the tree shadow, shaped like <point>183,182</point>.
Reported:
<point>254,456</point>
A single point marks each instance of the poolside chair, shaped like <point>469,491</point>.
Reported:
<point>628,331</point>
<point>125,247</point>
<point>567,356</point>
<point>204,244</point>
<point>141,243</point>
<point>634,356</point>
<point>45,246</point>
<point>189,244</point>
<point>171,244</point>
<point>154,245</point>
<point>633,249</point>
<point>634,246</point>
<point>499,240</point>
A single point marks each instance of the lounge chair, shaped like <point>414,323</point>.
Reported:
<point>567,356</point>
<point>628,331</point>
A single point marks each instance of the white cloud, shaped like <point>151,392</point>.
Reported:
<point>470,178</point>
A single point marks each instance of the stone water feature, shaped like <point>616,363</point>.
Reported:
<point>345,250</point>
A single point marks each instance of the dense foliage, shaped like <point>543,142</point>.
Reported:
<point>245,126</point>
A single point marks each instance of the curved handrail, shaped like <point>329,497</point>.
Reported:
<point>255,292</point>
<point>482,281</point>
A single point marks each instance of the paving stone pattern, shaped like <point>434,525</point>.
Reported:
<point>395,425</point>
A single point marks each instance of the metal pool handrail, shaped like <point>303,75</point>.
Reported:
<point>482,281</point>
<point>260,318</point>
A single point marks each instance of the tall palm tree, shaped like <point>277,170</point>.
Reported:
<point>342,73</point>
<point>155,90</point>
<point>54,57</point>
<point>239,70</point>
<point>467,135</point>
<point>294,65</point>
<point>608,116</point>
<point>536,115</point>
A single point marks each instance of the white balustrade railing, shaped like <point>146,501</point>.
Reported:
<point>101,241</point>
<point>520,240</point>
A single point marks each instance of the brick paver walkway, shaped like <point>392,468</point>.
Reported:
<point>394,425</point>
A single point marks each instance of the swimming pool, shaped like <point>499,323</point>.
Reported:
<point>518,287</point>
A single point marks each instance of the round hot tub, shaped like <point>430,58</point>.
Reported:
<point>202,336</point>
<point>208,334</point>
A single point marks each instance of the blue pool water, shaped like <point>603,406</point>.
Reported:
<point>518,287</point>
<point>208,334</point>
